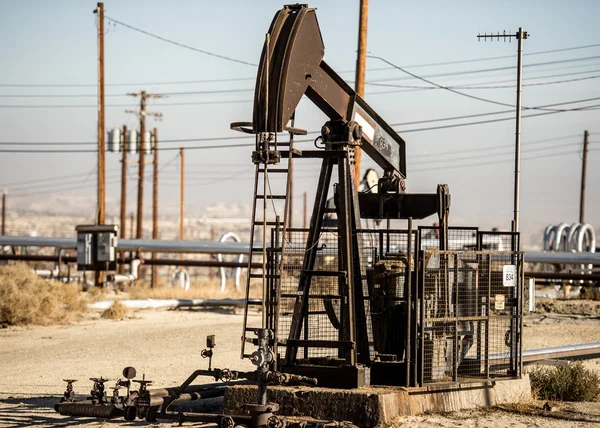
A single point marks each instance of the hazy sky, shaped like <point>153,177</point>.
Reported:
<point>48,43</point>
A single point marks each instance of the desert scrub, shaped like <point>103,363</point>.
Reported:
<point>116,311</point>
<point>28,299</point>
<point>566,382</point>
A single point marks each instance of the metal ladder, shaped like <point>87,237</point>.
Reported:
<point>266,215</point>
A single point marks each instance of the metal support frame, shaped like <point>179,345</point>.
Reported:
<point>339,137</point>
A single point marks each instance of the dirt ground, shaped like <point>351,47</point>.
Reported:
<point>166,345</point>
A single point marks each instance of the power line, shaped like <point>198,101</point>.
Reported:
<point>464,61</point>
<point>235,79</point>
<point>377,82</point>
<point>476,85</point>
<point>147,33</point>
<point>484,155</point>
<point>469,116</point>
<point>453,90</point>
<point>164,94</point>
<point>404,131</point>
<point>485,149</point>
<point>495,162</point>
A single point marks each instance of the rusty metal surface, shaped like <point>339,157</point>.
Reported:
<point>295,50</point>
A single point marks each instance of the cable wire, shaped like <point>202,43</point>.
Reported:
<point>147,33</point>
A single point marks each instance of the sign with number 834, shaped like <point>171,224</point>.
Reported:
<point>509,275</point>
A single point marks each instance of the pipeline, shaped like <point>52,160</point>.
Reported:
<point>89,409</point>
<point>169,303</point>
<point>238,271</point>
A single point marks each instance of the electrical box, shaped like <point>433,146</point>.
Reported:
<point>96,247</point>
<point>84,249</point>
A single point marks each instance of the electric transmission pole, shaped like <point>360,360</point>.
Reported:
<point>181,196</point>
<point>124,149</point>
<point>361,63</point>
<point>155,201</point>
<point>101,213</point>
<point>586,135</point>
<point>3,213</point>
<point>101,210</point>
<point>142,113</point>
<point>520,36</point>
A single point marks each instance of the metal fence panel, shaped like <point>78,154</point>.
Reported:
<point>471,315</point>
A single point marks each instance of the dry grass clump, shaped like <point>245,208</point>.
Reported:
<point>566,382</point>
<point>199,289</point>
<point>116,311</point>
<point>27,299</point>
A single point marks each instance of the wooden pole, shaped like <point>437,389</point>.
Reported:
<point>181,195</point>
<point>3,213</point>
<point>361,63</point>
<point>131,224</point>
<point>101,213</point>
<point>140,201</point>
<point>101,210</point>
<point>155,203</point>
<point>123,190</point>
<point>583,175</point>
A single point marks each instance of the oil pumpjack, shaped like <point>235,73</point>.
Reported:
<point>292,66</point>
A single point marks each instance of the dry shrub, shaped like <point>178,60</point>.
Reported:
<point>565,382</point>
<point>199,289</point>
<point>116,311</point>
<point>26,298</point>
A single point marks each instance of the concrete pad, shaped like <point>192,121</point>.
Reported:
<point>380,406</point>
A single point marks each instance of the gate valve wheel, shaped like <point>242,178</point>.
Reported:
<point>275,422</point>
<point>226,375</point>
<point>71,381</point>
<point>227,422</point>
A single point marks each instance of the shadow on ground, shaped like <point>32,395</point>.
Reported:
<point>39,412</point>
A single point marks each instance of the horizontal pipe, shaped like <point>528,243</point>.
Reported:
<point>574,276</point>
<point>150,262</point>
<point>163,392</point>
<point>169,303</point>
<point>203,417</point>
<point>88,409</point>
<point>144,245</point>
<point>582,351</point>
<point>156,401</point>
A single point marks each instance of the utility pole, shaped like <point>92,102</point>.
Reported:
<point>101,212</point>
<point>361,64</point>
<point>181,195</point>
<point>142,113</point>
<point>4,213</point>
<point>123,189</point>
<point>305,200</point>
<point>586,135</point>
<point>520,36</point>
<point>155,203</point>
<point>131,221</point>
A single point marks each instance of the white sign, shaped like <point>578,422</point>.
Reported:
<point>509,275</point>
<point>499,302</point>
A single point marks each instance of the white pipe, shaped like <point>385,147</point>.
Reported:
<point>166,303</point>
<point>181,279</point>
<point>238,271</point>
<point>559,231</point>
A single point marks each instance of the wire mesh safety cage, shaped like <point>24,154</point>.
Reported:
<point>470,315</point>
<point>459,238</point>
<point>465,321</point>
<point>322,318</point>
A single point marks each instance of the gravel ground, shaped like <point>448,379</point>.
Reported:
<point>166,346</point>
